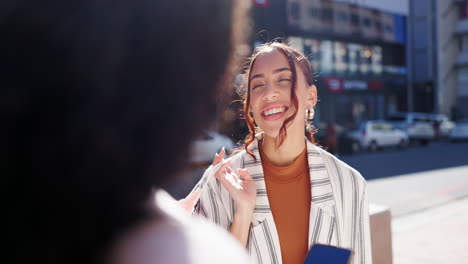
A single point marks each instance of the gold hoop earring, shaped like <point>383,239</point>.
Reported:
<point>310,113</point>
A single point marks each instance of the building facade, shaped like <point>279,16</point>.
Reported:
<point>461,33</point>
<point>438,41</point>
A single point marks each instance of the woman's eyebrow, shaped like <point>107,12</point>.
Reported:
<point>260,75</point>
<point>282,69</point>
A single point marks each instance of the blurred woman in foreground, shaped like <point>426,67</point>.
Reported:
<point>100,101</point>
<point>282,194</point>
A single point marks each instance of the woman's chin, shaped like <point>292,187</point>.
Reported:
<point>271,133</point>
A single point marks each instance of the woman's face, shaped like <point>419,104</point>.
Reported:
<point>270,93</point>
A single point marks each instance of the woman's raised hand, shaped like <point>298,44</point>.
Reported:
<point>243,191</point>
<point>239,184</point>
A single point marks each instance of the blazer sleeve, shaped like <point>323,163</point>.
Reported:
<point>214,203</point>
<point>363,251</point>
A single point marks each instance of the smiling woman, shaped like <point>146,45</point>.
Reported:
<point>282,193</point>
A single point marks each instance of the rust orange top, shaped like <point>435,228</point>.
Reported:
<point>289,193</point>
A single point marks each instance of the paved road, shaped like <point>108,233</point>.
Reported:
<point>381,164</point>
<point>391,162</point>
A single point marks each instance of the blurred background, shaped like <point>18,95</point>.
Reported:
<point>392,79</point>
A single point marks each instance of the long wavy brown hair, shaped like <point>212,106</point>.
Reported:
<point>294,57</point>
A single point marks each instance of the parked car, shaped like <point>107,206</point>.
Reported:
<point>346,144</point>
<point>418,126</point>
<point>207,145</point>
<point>445,125</point>
<point>376,134</point>
<point>460,131</point>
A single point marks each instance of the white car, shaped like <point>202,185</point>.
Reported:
<point>460,131</point>
<point>375,134</point>
<point>207,145</point>
<point>418,126</point>
<point>445,125</point>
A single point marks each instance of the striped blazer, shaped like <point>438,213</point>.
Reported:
<point>339,213</point>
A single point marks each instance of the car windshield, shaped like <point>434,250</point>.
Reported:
<point>421,119</point>
<point>362,126</point>
<point>396,118</point>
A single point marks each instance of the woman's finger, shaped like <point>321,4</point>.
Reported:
<point>233,183</point>
<point>222,152</point>
<point>219,156</point>
<point>215,159</point>
<point>222,169</point>
<point>244,174</point>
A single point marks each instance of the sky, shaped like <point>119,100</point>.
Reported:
<point>394,6</point>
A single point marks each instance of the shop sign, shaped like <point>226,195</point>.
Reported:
<point>375,85</point>
<point>262,3</point>
<point>334,84</point>
<point>338,85</point>
<point>355,85</point>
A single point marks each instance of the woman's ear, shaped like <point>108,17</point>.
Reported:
<point>312,95</point>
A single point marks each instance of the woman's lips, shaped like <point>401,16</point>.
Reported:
<point>274,107</point>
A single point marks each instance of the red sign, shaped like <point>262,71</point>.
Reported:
<point>262,3</point>
<point>376,85</point>
<point>334,84</point>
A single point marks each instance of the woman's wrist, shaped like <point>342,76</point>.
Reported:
<point>245,209</point>
<point>244,212</point>
<point>241,223</point>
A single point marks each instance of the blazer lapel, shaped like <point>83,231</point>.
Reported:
<point>264,242</point>
<point>322,224</point>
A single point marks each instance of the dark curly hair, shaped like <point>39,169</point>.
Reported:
<point>99,102</point>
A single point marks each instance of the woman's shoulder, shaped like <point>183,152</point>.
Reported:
<point>339,169</point>
<point>175,237</point>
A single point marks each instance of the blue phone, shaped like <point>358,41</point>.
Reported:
<point>325,254</point>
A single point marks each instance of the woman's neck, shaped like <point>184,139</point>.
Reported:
<point>291,148</point>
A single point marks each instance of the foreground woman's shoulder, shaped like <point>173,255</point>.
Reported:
<point>175,237</point>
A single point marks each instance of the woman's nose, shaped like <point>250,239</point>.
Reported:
<point>270,93</point>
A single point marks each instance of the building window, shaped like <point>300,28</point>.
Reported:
<point>314,12</point>
<point>378,26</point>
<point>327,14</point>
<point>388,29</point>
<point>367,22</point>
<point>354,20</point>
<point>295,14</point>
<point>342,17</point>
<point>463,8</point>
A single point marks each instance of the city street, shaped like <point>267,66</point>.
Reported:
<point>429,208</point>
<point>391,162</point>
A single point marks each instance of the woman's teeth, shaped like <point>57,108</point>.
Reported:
<point>273,111</point>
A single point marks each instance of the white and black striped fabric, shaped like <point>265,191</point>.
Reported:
<point>339,213</point>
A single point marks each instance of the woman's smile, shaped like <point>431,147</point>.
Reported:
<point>273,112</point>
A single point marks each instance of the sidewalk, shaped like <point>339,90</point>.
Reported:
<point>437,235</point>
<point>429,215</point>
<point>414,192</point>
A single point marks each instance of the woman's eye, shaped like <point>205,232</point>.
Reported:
<point>285,80</point>
<point>257,86</point>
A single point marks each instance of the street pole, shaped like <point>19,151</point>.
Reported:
<point>409,57</point>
